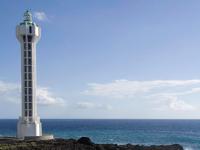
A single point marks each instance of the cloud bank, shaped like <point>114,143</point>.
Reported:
<point>163,92</point>
<point>46,97</point>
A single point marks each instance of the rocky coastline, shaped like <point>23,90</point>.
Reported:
<point>83,143</point>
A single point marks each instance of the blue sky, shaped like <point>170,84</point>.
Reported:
<point>106,59</point>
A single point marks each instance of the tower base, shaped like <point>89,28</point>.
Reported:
<point>29,128</point>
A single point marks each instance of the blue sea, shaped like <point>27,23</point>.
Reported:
<point>147,132</point>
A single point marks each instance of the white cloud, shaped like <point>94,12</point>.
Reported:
<point>45,97</point>
<point>181,93</point>
<point>125,88</point>
<point>166,102</point>
<point>11,92</point>
<point>90,105</point>
<point>41,16</point>
<point>163,91</point>
<point>179,105</point>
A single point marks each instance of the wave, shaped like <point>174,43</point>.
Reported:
<point>188,148</point>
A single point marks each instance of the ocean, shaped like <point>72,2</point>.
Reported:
<point>147,132</point>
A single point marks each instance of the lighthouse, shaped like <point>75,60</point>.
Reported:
<point>28,34</point>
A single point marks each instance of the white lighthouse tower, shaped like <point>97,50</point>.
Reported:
<point>28,34</point>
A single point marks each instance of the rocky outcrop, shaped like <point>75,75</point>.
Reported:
<point>83,143</point>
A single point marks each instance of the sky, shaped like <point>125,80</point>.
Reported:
<point>100,59</point>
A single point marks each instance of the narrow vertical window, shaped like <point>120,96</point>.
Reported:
<point>30,113</point>
<point>25,83</point>
<point>29,54</point>
<point>29,46</point>
<point>29,62</point>
<point>29,76</point>
<point>26,113</point>
<point>29,38</point>
<point>30,99</point>
<point>30,29</point>
<point>25,91</point>
<point>25,98</point>
<point>30,106</point>
<point>24,38</point>
<point>30,91</point>
<point>29,68</point>
<point>26,106</point>
<point>25,69</point>
<point>25,76</point>
<point>30,83</point>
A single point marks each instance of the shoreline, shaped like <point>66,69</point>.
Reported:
<point>84,143</point>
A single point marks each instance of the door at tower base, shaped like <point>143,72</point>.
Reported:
<point>30,129</point>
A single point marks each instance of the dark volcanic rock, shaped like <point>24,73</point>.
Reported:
<point>85,140</point>
<point>83,143</point>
